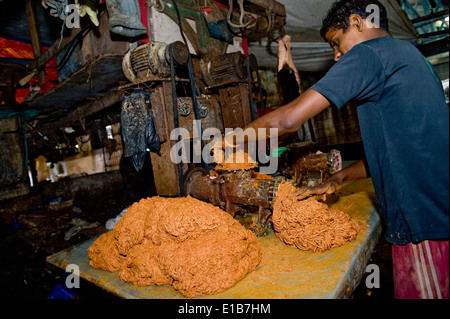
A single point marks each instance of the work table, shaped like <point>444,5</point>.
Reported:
<point>284,272</point>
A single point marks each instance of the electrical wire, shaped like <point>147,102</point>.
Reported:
<point>241,17</point>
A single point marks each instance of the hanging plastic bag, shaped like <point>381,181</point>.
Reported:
<point>138,127</point>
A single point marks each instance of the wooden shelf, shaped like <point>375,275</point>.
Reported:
<point>97,78</point>
<point>144,83</point>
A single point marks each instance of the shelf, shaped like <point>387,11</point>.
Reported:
<point>97,78</point>
<point>145,83</point>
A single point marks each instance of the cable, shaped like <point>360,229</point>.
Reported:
<point>67,55</point>
<point>241,18</point>
<point>70,49</point>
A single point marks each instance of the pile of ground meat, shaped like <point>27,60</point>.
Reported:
<point>309,224</point>
<point>194,246</point>
<point>238,160</point>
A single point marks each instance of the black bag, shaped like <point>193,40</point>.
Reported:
<point>138,127</point>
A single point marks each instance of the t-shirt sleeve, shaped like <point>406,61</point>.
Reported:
<point>357,76</point>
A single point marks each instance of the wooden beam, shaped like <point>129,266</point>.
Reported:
<point>275,6</point>
<point>84,111</point>
<point>434,48</point>
<point>432,16</point>
<point>98,77</point>
<point>35,37</point>
<point>433,34</point>
<point>57,47</point>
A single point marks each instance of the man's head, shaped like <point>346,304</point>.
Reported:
<point>350,22</point>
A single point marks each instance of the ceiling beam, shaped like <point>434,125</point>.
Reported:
<point>433,34</point>
<point>432,16</point>
<point>435,47</point>
<point>82,112</point>
<point>33,27</point>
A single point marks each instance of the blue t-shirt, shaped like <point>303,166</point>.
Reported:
<point>404,122</point>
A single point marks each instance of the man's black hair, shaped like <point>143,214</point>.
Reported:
<point>339,14</point>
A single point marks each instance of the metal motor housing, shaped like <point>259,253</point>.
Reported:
<point>153,59</point>
<point>228,68</point>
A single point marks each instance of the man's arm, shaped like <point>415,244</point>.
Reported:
<point>290,117</point>
<point>355,171</point>
<point>287,119</point>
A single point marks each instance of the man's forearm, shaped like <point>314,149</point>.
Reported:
<point>353,172</point>
<point>290,118</point>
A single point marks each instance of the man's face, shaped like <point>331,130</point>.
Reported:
<point>342,42</point>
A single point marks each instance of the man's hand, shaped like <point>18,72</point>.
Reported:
<point>353,172</point>
<point>328,187</point>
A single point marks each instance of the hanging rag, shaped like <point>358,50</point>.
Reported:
<point>88,8</point>
<point>138,127</point>
<point>57,7</point>
<point>125,18</point>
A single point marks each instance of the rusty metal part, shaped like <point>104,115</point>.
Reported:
<point>227,68</point>
<point>270,5</point>
<point>307,169</point>
<point>335,161</point>
<point>202,109</point>
<point>234,192</point>
<point>186,12</point>
<point>236,110</point>
<point>184,107</point>
<point>153,59</point>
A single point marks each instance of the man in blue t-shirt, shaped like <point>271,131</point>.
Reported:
<point>404,121</point>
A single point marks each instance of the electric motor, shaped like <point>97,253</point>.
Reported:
<point>153,59</point>
<point>228,68</point>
